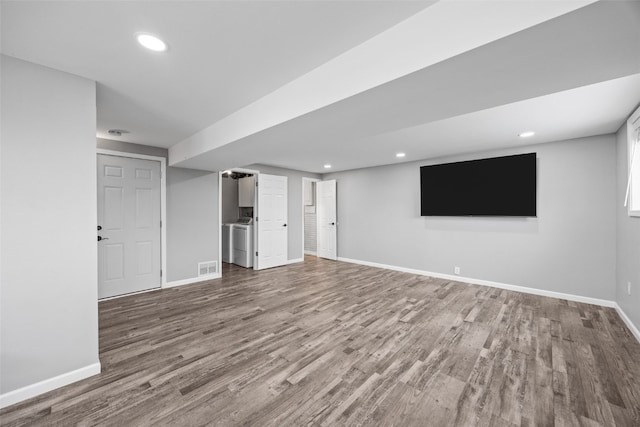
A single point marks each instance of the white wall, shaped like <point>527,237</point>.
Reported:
<point>628,240</point>
<point>192,221</point>
<point>127,147</point>
<point>229,199</point>
<point>48,304</point>
<point>569,248</point>
<point>294,199</point>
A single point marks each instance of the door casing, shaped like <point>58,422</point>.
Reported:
<point>313,180</point>
<point>325,215</point>
<point>163,206</point>
<point>255,203</point>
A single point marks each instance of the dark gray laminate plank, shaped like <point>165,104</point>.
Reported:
<point>330,343</point>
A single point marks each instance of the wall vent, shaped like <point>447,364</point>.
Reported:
<point>207,268</point>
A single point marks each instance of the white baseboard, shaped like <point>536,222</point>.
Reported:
<point>314,253</point>
<point>191,280</point>
<point>534,291</point>
<point>294,261</point>
<point>169,285</point>
<point>38,388</point>
<point>129,294</point>
<point>634,330</point>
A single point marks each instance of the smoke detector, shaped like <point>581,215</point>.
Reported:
<point>117,132</point>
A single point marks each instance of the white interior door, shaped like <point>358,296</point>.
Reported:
<point>128,225</point>
<point>271,221</point>
<point>326,199</point>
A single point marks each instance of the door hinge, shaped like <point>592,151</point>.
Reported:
<point>256,219</point>
<point>256,253</point>
<point>160,273</point>
<point>256,183</point>
<point>160,223</point>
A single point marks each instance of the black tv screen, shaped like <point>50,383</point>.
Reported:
<point>499,186</point>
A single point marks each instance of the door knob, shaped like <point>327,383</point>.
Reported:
<point>332,223</point>
<point>102,238</point>
<point>285,225</point>
<point>99,227</point>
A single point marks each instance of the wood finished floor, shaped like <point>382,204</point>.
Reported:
<point>328,343</point>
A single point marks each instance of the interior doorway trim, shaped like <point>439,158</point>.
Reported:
<point>255,226</point>
<point>305,179</point>
<point>163,203</point>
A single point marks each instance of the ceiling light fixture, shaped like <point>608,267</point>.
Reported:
<point>327,166</point>
<point>151,42</point>
<point>400,155</point>
<point>526,134</point>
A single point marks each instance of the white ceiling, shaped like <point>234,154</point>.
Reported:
<point>298,84</point>
<point>223,54</point>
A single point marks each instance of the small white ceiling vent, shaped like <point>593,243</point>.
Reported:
<point>117,132</point>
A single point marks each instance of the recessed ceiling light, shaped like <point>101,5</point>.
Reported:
<point>327,166</point>
<point>151,42</point>
<point>400,154</point>
<point>526,134</point>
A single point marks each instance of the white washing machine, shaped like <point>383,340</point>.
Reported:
<point>227,244</point>
<point>242,244</point>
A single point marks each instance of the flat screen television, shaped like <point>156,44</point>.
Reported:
<point>499,186</point>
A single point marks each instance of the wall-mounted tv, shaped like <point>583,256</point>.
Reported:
<point>499,186</point>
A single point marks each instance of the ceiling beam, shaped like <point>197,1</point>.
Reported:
<point>442,31</point>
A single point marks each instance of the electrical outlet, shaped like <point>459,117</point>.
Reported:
<point>456,270</point>
<point>629,288</point>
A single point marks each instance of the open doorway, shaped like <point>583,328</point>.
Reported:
<point>253,219</point>
<point>237,215</point>
<point>309,216</point>
<point>319,218</point>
